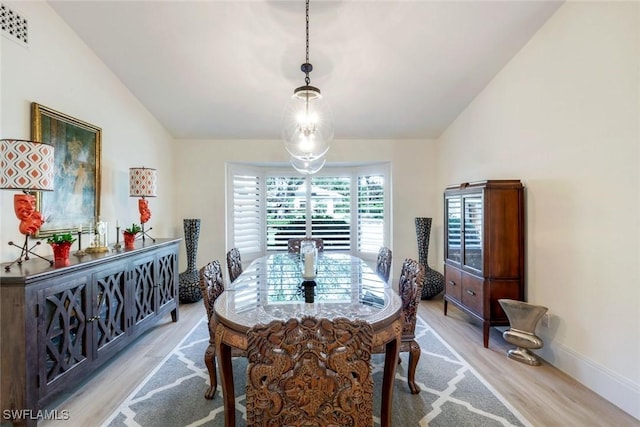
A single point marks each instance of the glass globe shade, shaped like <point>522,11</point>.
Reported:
<point>307,128</point>
<point>308,167</point>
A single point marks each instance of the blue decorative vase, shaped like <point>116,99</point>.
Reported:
<point>189,280</point>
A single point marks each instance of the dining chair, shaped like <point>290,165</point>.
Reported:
<point>410,290</point>
<point>211,286</point>
<point>234,264</point>
<point>293,245</point>
<point>312,371</point>
<point>383,264</point>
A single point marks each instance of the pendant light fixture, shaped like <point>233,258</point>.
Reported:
<point>307,127</point>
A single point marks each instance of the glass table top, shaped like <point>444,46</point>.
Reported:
<point>270,288</point>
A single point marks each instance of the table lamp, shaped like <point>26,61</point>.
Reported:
<point>143,183</point>
<point>27,166</point>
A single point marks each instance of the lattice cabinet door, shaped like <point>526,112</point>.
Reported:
<point>64,314</point>
<point>167,280</point>
<point>143,285</point>
<point>109,318</point>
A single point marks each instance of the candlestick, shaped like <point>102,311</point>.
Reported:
<point>117,246</point>
<point>309,291</point>
<point>80,252</point>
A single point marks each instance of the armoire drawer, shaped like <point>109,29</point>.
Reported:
<point>453,282</point>
<point>472,293</point>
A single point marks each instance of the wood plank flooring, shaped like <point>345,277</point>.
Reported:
<point>543,394</point>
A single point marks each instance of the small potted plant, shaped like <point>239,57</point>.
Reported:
<point>130,235</point>
<point>61,245</point>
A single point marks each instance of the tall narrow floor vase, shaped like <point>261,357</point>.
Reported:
<point>189,280</point>
<point>433,280</point>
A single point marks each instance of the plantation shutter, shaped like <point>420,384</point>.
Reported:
<point>346,207</point>
<point>286,210</point>
<point>247,223</point>
<point>371,213</point>
<point>331,211</point>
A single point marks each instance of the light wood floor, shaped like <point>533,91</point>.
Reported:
<point>544,395</point>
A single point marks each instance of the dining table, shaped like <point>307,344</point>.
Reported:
<point>272,287</point>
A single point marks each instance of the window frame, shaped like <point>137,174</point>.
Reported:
<point>262,171</point>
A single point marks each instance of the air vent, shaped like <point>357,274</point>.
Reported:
<point>13,25</point>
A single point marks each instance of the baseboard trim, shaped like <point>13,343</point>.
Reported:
<point>613,387</point>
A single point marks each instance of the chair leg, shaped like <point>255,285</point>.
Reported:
<point>414,356</point>
<point>210,362</point>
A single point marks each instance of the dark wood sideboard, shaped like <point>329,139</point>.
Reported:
<point>57,325</point>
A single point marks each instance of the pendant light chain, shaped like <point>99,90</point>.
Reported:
<point>308,66</point>
<point>307,128</point>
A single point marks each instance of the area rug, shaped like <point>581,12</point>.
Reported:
<point>453,393</point>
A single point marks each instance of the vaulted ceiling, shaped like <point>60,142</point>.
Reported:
<point>225,69</point>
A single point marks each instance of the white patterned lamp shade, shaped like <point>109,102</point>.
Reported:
<point>142,182</point>
<point>26,165</point>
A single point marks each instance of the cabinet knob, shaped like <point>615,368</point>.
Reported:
<point>452,283</point>
<point>470,292</point>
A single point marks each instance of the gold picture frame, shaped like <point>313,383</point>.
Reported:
<point>75,200</point>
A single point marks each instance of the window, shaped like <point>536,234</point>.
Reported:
<point>246,221</point>
<point>371,212</point>
<point>346,207</point>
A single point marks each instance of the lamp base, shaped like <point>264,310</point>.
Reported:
<point>24,254</point>
<point>144,234</point>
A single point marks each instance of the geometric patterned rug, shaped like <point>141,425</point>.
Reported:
<point>453,393</point>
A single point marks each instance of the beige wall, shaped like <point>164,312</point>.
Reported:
<point>58,70</point>
<point>563,116</point>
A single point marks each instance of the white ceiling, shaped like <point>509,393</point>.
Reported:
<point>225,69</point>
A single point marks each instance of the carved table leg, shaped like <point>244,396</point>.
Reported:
<point>210,362</point>
<point>390,363</point>
<point>226,377</point>
<point>414,356</point>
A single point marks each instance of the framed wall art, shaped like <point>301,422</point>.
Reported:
<point>75,200</point>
